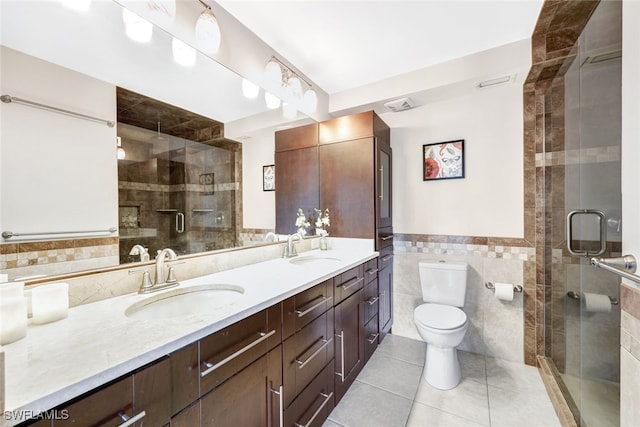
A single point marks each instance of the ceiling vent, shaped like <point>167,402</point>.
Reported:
<point>496,82</point>
<point>398,105</point>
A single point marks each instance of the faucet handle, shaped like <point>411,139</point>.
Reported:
<point>146,278</point>
<point>171,276</point>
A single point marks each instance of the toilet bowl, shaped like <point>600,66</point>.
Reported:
<point>440,321</point>
<point>443,328</point>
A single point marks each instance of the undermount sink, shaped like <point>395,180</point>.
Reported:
<point>199,299</point>
<point>311,260</point>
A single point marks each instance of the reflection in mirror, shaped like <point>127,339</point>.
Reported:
<point>59,173</point>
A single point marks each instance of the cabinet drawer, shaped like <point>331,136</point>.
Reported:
<point>302,308</point>
<point>385,258</point>
<point>106,407</point>
<point>228,351</point>
<point>312,407</point>
<point>370,270</point>
<point>370,300</point>
<point>384,238</point>
<point>348,283</point>
<point>371,336</point>
<point>306,353</point>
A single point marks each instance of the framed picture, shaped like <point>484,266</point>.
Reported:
<point>269,178</point>
<point>443,160</point>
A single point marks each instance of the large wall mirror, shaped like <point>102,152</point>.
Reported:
<point>63,190</point>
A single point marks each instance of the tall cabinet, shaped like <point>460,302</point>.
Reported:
<point>344,165</point>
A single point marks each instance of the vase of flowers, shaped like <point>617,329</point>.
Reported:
<point>322,223</point>
<point>301,223</point>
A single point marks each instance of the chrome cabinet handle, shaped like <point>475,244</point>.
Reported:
<point>341,373</point>
<point>373,300</point>
<point>327,398</point>
<point>373,338</point>
<point>211,367</point>
<point>372,271</point>
<point>351,283</point>
<point>180,222</point>
<point>381,183</point>
<point>130,420</point>
<point>385,238</point>
<point>603,232</point>
<point>313,307</point>
<point>280,394</point>
<point>325,343</point>
<point>387,258</point>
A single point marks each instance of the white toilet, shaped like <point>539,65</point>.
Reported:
<point>440,321</point>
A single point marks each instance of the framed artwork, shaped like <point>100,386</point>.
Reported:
<point>443,160</point>
<point>269,178</point>
<point>207,182</point>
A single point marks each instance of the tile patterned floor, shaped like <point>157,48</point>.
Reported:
<point>390,392</point>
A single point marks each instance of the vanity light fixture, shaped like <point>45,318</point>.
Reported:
<point>183,54</point>
<point>283,81</point>
<point>208,36</point>
<point>121,154</point>
<point>137,28</point>
<point>271,100</point>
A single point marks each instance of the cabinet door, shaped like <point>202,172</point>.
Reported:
<point>385,285</point>
<point>347,187</point>
<point>297,186</point>
<point>383,183</point>
<point>349,342</point>
<point>251,398</point>
<point>190,417</point>
<point>184,377</point>
<point>152,394</point>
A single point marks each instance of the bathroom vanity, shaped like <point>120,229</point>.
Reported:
<point>282,353</point>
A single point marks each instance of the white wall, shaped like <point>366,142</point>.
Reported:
<point>489,200</point>
<point>259,207</point>
<point>57,173</point>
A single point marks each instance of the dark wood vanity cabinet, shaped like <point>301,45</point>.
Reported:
<point>144,397</point>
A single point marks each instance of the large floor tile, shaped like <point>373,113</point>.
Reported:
<point>514,376</point>
<point>329,423</point>
<point>468,400</point>
<point>368,406</point>
<point>521,408</point>
<point>473,366</point>
<point>407,349</point>
<point>394,375</point>
<point>423,415</point>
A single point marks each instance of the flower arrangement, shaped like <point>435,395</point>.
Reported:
<point>322,222</point>
<point>301,223</point>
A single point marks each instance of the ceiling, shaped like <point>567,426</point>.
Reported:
<point>342,45</point>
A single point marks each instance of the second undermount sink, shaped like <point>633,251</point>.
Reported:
<point>199,299</point>
<point>312,260</point>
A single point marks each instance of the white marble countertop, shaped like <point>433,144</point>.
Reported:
<point>97,342</point>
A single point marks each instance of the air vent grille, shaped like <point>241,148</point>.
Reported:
<point>398,105</point>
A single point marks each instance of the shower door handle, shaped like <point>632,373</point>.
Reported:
<point>602,232</point>
<point>180,222</point>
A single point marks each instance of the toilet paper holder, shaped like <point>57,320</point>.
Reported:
<point>576,296</point>
<point>490,285</point>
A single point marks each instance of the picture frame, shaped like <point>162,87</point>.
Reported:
<point>269,178</point>
<point>443,160</point>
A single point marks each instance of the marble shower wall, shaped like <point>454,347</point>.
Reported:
<point>496,327</point>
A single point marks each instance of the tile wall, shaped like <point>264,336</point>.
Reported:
<point>630,356</point>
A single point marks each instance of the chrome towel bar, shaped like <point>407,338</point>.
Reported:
<point>623,266</point>
<point>10,234</point>
<point>8,99</point>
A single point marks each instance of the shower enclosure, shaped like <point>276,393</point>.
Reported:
<point>583,212</point>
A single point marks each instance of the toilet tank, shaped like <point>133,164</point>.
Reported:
<point>443,282</point>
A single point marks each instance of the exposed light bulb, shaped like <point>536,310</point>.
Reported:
<point>183,54</point>
<point>271,100</point>
<point>136,27</point>
<point>249,89</point>
<point>79,5</point>
<point>208,36</point>
<point>310,101</point>
<point>273,76</point>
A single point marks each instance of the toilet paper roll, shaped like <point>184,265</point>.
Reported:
<point>504,291</point>
<point>596,303</point>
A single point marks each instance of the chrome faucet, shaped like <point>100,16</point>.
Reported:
<point>290,249</point>
<point>271,237</point>
<point>140,250</point>
<point>160,280</point>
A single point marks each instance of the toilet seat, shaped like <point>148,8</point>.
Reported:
<point>439,316</point>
